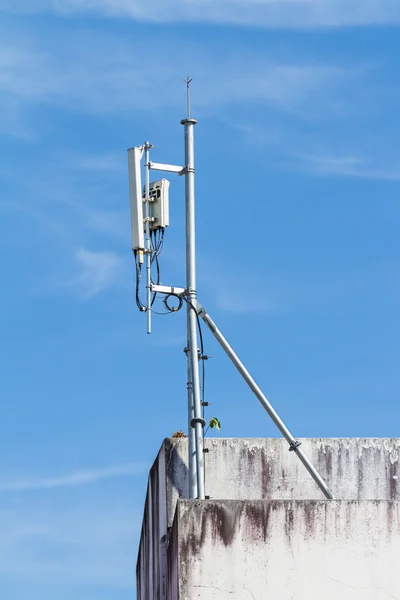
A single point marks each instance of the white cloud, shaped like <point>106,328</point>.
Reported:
<point>58,545</point>
<point>51,197</point>
<point>76,478</point>
<point>259,13</point>
<point>233,290</point>
<point>99,271</point>
<point>97,75</point>
<point>348,166</point>
<point>112,223</point>
<point>349,152</point>
<point>78,537</point>
<point>99,162</point>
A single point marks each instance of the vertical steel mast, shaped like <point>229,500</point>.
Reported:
<point>156,217</point>
<point>147,148</point>
<point>196,422</point>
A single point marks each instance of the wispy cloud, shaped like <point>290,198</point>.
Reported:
<point>99,271</point>
<point>98,76</point>
<point>63,547</point>
<point>340,152</point>
<point>259,13</point>
<point>233,291</point>
<point>348,166</point>
<point>113,223</point>
<point>99,162</point>
<point>50,196</point>
<point>76,478</point>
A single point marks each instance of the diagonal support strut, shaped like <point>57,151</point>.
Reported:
<point>294,445</point>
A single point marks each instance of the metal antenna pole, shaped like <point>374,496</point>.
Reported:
<point>196,420</point>
<point>191,432</point>
<point>293,443</point>
<point>188,81</point>
<point>147,147</point>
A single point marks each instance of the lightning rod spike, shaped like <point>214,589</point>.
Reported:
<point>188,81</point>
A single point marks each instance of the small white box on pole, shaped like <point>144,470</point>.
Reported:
<point>135,195</point>
<point>159,204</point>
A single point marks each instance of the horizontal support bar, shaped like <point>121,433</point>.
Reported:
<point>167,289</point>
<point>169,168</point>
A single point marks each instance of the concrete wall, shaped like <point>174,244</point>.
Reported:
<point>255,469</point>
<point>261,468</point>
<point>287,550</point>
<point>168,481</point>
<point>355,469</point>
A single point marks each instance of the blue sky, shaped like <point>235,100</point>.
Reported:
<point>297,188</point>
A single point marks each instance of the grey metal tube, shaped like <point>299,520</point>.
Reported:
<point>191,432</point>
<point>196,422</point>
<point>147,241</point>
<point>264,402</point>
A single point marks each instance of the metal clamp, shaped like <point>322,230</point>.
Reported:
<point>293,446</point>
<point>186,170</point>
<point>197,420</point>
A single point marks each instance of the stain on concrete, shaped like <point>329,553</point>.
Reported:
<point>271,495</point>
<point>393,479</point>
<point>265,475</point>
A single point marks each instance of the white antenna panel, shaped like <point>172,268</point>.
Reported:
<point>159,203</point>
<point>135,194</point>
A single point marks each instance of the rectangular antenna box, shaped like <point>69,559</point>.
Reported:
<point>159,203</point>
<point>135,197</point>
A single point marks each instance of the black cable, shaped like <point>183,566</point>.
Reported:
<point>173,308</point>
<point>162,314</point>
<point>181,298</point>
<point>156,244</point>
<point>197,319</point>
<point>138,267</point>
<point>155,260</point>
<point>203,383</point>
<point>202,358</point>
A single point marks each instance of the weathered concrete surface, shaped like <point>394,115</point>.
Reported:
<point>286,550</point>
<point>354,468</point>
<point>245,469</point>
<point>256,469</point>
<point>168,481</point>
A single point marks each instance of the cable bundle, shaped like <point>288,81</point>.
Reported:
<point>157,242</point>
